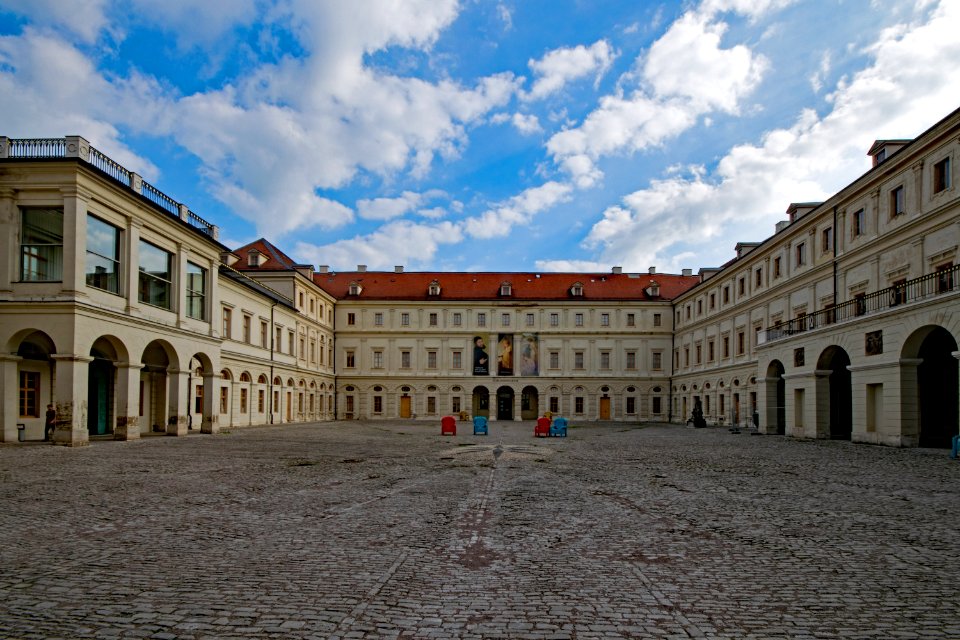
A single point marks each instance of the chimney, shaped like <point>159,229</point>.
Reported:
<point>398,268</point>
<point>687,272</point>
<point>362,268</point>
<point>783,224</point>
<point>653,270</point>
<point>618,270</point>
<point>323,268</point>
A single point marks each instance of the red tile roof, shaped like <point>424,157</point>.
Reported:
<point>387,285</point>
<point>276,260</point>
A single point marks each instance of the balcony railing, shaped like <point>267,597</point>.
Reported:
<point>75,147</point>
<point>925,287</point>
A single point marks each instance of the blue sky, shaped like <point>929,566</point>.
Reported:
<point>484,135</point>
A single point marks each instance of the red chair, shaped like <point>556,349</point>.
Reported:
<point>543,428</point>
<point>448,426</point>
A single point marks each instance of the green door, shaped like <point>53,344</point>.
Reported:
<point>98,395</point>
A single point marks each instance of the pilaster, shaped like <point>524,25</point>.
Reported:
<point>128,401</point>
<point>9,386</point>
<point>70,394</point>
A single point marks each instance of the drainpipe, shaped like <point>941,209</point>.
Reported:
<point>673,339</point>
<point>273,333</point>
<point>836,235</point>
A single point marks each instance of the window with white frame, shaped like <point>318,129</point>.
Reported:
<point>196,291</point>
<point>103,256</point>
<point>156,276</point>
<point>41,245</point>
<point>378,359</point>
<point>604,319</point>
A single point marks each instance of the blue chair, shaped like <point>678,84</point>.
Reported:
<point>559,427</point>
<point>479,426</point>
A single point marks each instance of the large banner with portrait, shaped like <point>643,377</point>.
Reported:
<point>505,354</point>
<point>529,354</point>
<point>481,361</point>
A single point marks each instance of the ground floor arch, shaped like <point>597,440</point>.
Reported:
<point>835,416</point>
<point>776,398</point>
<point>481,401</point>
<point>935,421</point>
<point>505,396</point>
<point>529,403</point>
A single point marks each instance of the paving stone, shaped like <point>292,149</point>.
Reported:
<point>614,532</point>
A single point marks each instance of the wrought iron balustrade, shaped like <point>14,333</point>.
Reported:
<point>927,286</point>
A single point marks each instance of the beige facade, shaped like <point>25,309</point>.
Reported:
<point>844,323</point>
<point>112,309</point>
<point>120,307</point>
<point>592,360</point>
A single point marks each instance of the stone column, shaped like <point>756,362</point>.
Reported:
<point>211,400</point>
<point>822,402</point>
<point>178,400</point>
<point>9,408</point>
<point>128,401</point>
<point>70,393</point>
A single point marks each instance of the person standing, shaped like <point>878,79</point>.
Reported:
<point>50,423</point>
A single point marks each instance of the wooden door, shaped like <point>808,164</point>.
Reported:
<point>604,408</point>
<point>405,406</point>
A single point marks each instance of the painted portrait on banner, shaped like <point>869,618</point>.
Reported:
<point>529,351</point>
<point>505,354</point>
<point>481,361</point>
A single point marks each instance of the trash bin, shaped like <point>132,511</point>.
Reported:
<point>21,432</point>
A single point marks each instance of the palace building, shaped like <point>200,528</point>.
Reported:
<point>121,308</point>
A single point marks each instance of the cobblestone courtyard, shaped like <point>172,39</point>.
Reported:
<point>355,530</point>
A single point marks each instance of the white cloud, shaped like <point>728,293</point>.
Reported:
<point>50,88</point>
<point>398,242</point>
<point>518,210</point>
<point>687,74</point>
<point>560,66</point>
<point>387,208</point>
<point>506,17</point>
<point>909,85</point>
<point>819,76</point>
<point>751,8</point>
<point>195,23</point>
<point>83,19</point>
<point>688,62</point>
<point>526,124</point>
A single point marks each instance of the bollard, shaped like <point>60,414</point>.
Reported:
<point>21,432</point>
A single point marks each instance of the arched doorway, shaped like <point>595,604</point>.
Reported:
<point>32,389</point>
<point>776,397</point>
<point>840,416</point>
<point>505,403</point>
<point>481,402</point>
<point>157,359</point>
<point>406,403</point>
<point>937,381</point>
<point>101,388</point>
<point>529,403</point>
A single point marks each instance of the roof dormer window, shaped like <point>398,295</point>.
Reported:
<point>434,288</point>
<point>355,289</point>
<point>255,258</point>
<point>506,289</point>
<point>577,289</point>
